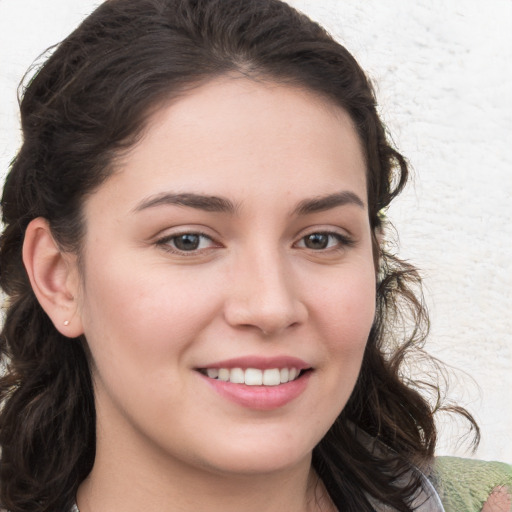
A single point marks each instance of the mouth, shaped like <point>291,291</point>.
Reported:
<point>255,376</point>
<point>258,383</point>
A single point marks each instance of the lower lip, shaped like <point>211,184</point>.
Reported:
<point>263,398</point>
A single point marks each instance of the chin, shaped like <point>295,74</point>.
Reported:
<point>264,455</point>
<point>261,464</point>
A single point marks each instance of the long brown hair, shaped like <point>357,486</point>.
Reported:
<point>87,103</point>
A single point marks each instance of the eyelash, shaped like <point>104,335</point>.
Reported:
<point>342,241</point>
<point>168,242</point>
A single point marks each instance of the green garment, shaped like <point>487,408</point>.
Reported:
<point>465,484</point>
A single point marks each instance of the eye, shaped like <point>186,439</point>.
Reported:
<point>323,241</point>
<point>186,242</point>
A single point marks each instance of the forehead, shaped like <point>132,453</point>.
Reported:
<point>234,135</point>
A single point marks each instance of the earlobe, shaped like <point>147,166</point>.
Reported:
<point>53,276</point>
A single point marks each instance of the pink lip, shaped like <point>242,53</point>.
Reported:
<point>263,363</point>
<point>263,398</point>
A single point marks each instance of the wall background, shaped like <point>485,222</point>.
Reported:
<point>443,74</point>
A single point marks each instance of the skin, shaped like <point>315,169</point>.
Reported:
<point>152,315</point>
<point>500,500</point>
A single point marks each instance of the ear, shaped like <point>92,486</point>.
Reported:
<point>53,276</point>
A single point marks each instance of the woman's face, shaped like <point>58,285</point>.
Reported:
<point>230,251</point>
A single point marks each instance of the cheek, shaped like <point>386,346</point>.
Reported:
<point>137,325</point>
<point>344,316</point>
<point>346,309</point>
<point>145,312</point>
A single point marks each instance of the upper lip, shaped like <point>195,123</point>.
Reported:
<point>263,363</point>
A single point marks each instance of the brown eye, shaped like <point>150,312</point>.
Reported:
<point>317,241</point>
<point>320,241</point>
<point>187,242</point>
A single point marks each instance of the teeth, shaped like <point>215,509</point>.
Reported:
<point>213,373</point>
<point>271,377</point>
<point>237,376</point>
<point>254,376</point>
<point>224,374</point>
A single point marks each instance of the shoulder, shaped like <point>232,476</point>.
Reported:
<point>467,484</point>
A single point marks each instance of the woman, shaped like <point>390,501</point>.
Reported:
<point>201,313</point>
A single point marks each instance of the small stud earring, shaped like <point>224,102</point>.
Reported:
<point>66,322</point>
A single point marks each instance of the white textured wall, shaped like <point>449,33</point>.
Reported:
<point>443,72</point>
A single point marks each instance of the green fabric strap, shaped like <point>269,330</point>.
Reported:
<point>465,484</point>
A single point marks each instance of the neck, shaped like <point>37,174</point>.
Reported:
<point>131,477</point>
<point>133,489</point>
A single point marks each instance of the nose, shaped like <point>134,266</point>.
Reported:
<point>263,296</point>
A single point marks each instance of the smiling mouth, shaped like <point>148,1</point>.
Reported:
<point>254,376</point>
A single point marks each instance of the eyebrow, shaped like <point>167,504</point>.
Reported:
<point>323,203</point>
<point>198,201</point>
<point>223,205</point>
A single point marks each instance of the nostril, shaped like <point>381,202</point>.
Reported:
<point>263,292</point>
